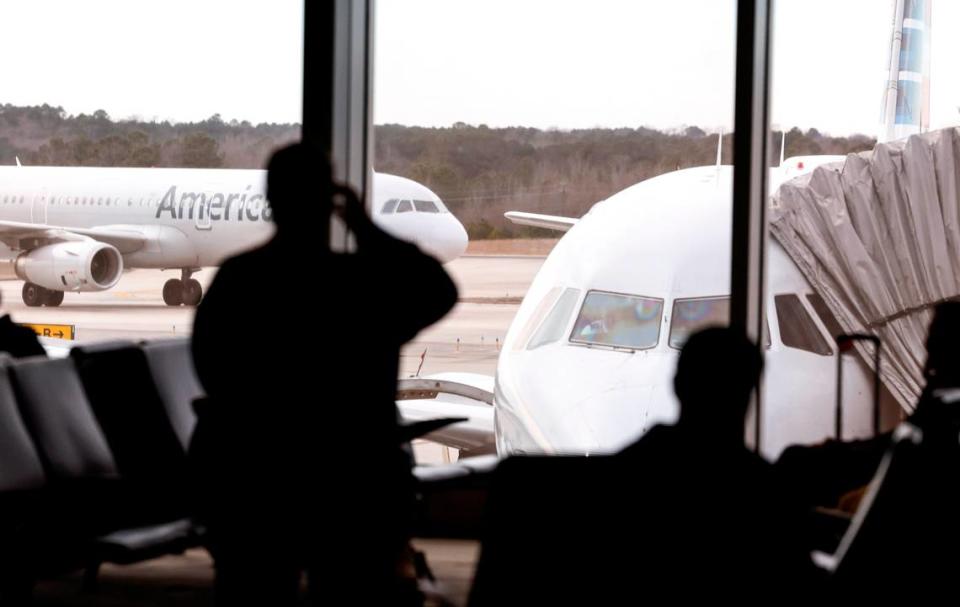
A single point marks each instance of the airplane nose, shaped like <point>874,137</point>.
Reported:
<point>619,417</point>
<point>454,242</point>
<point>596,402</point>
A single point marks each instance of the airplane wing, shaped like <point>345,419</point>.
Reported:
<point>549,222</point>
<point>20,235</point>
<point>465,396</point>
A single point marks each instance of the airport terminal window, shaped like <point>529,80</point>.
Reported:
<point>425,206</point>
<point>619,321</point>
<point>691,315</point>
<point>404,207</point>
<point>389,206</point>
<point>555,324</point>
<point>797,329</point>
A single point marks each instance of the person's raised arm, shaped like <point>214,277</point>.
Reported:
<point>424,291</point>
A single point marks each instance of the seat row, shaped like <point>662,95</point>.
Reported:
<point>93,460</point>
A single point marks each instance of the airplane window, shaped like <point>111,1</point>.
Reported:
<point>426,206</point>
<point>620,321</point>
<point>826,316</point>
<point>404,206</point>
<point>389,206</point>
<point>797,329</point>
<point>692,315</point>
<point>556,322</point>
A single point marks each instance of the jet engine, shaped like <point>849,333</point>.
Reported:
<point>71,266</point>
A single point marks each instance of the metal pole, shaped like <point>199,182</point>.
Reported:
<point>751,153</point>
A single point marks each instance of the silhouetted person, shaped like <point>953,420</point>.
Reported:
<point>941,372</point>
<point>296,448</point>
<point>686,512</point>
<point>907,525</point>
<point>716,521</point>
<point>834,474</point>
<point>18,341</point>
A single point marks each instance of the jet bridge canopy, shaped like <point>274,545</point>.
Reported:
<point>878,237</point>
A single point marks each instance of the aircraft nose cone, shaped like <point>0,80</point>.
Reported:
<point>453,243</point>
<point>617,418</point>
<point>593,402</point>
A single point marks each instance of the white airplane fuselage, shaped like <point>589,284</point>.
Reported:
<point>192,218</point>
<point>169,219</point>
<point>566,385</point>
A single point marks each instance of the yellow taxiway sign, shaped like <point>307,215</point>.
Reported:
<point>58,331</point>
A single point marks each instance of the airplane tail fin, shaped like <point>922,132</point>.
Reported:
<point>906,99</point>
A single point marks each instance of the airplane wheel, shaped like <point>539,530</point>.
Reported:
<point>53,298</point>
<point>173,292</point>
<point>192,292</point>
<point>33,295</point>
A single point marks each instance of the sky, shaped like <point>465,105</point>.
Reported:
<point>542,63</point>
<point>665,64</point>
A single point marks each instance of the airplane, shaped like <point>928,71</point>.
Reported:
<point>79,228</point>
<point>587,364</point>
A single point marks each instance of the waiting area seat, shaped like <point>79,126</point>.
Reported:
<point>94,453</point>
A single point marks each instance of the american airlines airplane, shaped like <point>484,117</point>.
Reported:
<point>587,364</point>
<point>79,228</point>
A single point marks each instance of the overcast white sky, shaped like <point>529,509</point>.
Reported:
<point>543,63</point>
<point>571,63</point>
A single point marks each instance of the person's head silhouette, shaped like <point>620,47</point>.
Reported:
<point>717,370</point>
<point>943,346</point>
<point>300,190</point>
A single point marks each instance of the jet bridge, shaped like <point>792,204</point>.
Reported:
<point>878,238</point>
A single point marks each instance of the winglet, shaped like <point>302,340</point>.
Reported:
<point>18,161</point>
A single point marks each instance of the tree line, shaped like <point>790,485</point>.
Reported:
<point>478,171</point>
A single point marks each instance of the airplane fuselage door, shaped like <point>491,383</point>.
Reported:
<point>201,218</point>
<point>38,207</point>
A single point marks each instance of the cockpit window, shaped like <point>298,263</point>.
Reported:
<point>797,329</point>
<point>425,206</point>
<point>691,315</point>
<point>404,207</point>
<point>555,323</point>
<point>826,316</point>
<point>619,321</point>
<point>389,206</point>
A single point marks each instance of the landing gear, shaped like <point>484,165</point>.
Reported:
<point>35,296</point>
<point>173,292</point>
<point>54,298</point>
<point>192,292</point>
<point>184,291</point>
